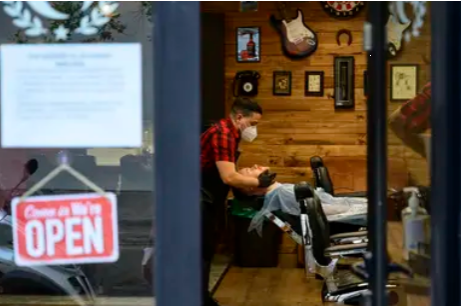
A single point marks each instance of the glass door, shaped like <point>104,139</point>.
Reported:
<point>77,94</point>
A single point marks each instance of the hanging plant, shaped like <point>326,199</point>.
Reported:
<point>74,10</point>
<point>147,9</point>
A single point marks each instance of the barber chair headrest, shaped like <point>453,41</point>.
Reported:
<point>323,180</point>
<point>321,175</point>
<point>316,162</point>
<point>303,191</point>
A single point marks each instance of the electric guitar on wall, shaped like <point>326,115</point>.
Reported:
<point>298,40</point>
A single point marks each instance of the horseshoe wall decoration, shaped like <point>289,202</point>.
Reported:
<point>341,32</point>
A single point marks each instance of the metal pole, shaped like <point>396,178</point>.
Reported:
<point>445,153</point>
<point>177,153</point>
<point>377,152</point>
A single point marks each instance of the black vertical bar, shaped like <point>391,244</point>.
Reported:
<point>177,149</point>
<point>445,152</point>
<point>377,152</point>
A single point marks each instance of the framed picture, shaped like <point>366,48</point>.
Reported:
<point>248,45</point>
<point>313,84</point>
<point>404,82</point>
<point>365,83</point>
<point>282,83</point>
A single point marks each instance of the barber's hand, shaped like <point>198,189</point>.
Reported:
<point>266,179</point>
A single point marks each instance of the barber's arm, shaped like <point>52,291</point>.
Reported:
<point>231,177</point>
<point>234,179</point>
<point>409,138</point>
<point>412,119</point>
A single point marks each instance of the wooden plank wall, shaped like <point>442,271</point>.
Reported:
<point>296,127</point>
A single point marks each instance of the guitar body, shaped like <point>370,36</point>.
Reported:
<point>298,40</point>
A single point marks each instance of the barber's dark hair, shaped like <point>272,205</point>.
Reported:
<point>246,107</point>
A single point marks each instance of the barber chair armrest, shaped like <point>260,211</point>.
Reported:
<point>357,194</point>
<point>347,249</point>
<point>349,235</point>
<point>350,238</point>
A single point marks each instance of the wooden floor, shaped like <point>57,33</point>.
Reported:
<point>282,286</point>
<point>288,285</point>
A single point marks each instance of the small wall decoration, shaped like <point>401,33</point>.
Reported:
<point>246,83</point>
<point>345,32</point>
<point>343,9</point>
<point>248,45</point>
<point>344,94</point>
<point>313,86</point>
<point>282,83</point>
<point>404,81</point>
<point>248,6</point>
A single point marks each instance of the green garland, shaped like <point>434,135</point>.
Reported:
<point>73,8</point>
<point>147,9</point>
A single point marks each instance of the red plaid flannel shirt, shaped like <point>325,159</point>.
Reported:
<point>219,143</point>
<point>415,114</point>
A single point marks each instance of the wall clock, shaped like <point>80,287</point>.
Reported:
<point>343,9</point>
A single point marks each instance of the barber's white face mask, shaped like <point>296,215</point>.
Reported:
<point>250,133</point>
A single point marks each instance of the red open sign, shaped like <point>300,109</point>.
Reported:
<point>65,229</point>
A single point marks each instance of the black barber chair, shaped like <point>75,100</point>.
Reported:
<point>322,179</point>
<point>323,251</point>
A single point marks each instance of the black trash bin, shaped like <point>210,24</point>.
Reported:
<point>250,249</point>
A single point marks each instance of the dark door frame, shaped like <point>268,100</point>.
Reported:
<point>376,46</point>
<point>445,152</point>
<point>177,151</point>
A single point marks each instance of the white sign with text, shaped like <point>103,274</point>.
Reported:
<point>71,95</point>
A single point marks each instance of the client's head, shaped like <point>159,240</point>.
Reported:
<point>254,171</point>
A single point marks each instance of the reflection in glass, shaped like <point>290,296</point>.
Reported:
<point>125,171</point>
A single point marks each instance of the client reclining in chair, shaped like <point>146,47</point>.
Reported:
<point>281,197</point>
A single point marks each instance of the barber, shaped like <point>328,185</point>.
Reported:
<point>413,119</point>
<point>219,154</point>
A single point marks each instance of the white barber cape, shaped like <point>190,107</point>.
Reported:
<point>282,198</point>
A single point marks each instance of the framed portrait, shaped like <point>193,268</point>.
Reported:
<point>282,83</point>
<point>404,82</point>
<point>248,45</point>
<point>313,84</point>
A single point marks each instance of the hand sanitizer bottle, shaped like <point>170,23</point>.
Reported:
<point>416,224</point>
